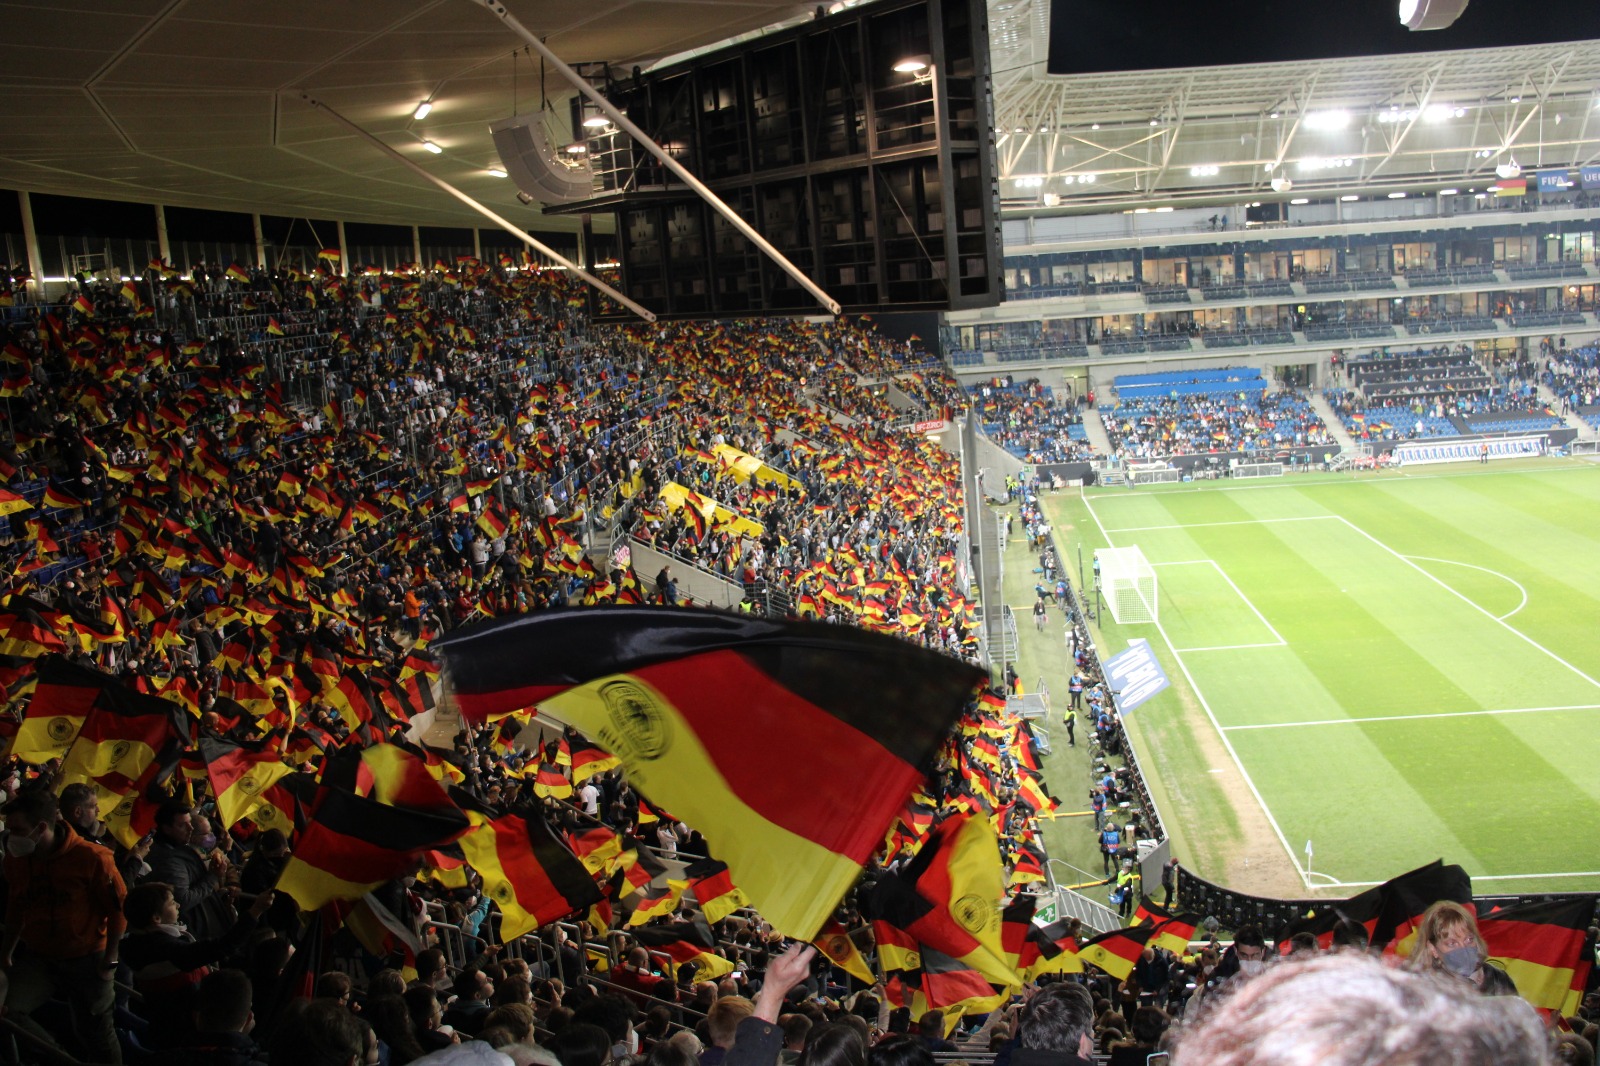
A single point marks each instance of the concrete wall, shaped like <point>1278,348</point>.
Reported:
<point>692,583</point>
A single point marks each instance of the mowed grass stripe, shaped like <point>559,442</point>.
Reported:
<point>1560,616</point>
<point>1458,773</point>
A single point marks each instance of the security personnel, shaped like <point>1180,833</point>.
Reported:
<point>1110,844</point>
<point>1070,720</point>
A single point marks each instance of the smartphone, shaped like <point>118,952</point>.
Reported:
<point>1158,1058</point>
<point>737,975</point>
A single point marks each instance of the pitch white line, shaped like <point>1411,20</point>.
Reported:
<point>1294,860</point>
<point>1237,591</point>
<point>1499,621</point>
<point>1486,570</point>
<point>1475,877</point>
<point>1234,647</point>
<point>1557,466</point>
<point>1248,602</point>
<point>1414,717</point>
<point>1210,525</point>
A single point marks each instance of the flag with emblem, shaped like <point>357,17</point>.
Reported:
<point>527,871</point>
<point>694,704</point>
<point>714,888</point>
<point>834,942</point>
<point>239,775</point>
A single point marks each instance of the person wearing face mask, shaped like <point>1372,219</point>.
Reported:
<point>1448,942</point>
<point>64,909</point>
<point>1244,959</point>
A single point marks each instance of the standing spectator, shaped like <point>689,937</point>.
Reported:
<point>1448,941</point>
<point>1169,881</point>
<point>666,587</point>
<point>64,907</point>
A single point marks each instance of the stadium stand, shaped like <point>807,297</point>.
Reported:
<point>1026,420</point>
<point>1199,411</point>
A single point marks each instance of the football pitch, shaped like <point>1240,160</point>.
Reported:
<point>1389,668</point>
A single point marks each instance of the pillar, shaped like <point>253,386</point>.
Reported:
<point>416,245</point>
<point>344,250</point>
<point>30,238</point>
<point>163,245</point>
<point>261,241</point>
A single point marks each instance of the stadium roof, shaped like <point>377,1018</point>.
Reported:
<point>195,103</point>
<point>1222,133</point>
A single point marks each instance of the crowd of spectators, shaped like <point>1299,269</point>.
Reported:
<point>1025,419</point>
<point>1436,392</point>
<point>1573,374</point>
<point>337,471</point>
<point>1250,422</point>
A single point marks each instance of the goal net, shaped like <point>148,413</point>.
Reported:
<point>1129,584</point>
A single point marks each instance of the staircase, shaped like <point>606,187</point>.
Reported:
<point>1325,411</point>
<point>1585,431</point>
<point>1095,429</point>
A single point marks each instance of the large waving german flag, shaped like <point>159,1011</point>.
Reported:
<point>528,872</point>
<point>758,733</point>
<point>1541,945</point>
<point>949,897</point>
<point>353,844</point>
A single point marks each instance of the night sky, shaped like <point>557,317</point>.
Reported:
<point>1106,35</point>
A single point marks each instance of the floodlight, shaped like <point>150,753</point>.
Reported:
<point>1430,14</point>
<point>422,110</point>
<point>913,64</point>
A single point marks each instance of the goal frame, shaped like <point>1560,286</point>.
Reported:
<point>1128,583</point>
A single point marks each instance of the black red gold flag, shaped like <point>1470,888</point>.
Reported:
<point>352,844</point>
<point>527,871</point>
<point>1542,946</point>
<point>1116,952</point>
<point>758,733</point>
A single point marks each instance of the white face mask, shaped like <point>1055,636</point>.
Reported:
<point>1251,967</point>
<point>21,846</point>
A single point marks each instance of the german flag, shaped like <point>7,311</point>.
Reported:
<point>273,328</point>
<point>492,522</point>
<point>331,255</point>
<point>657,902</point>
<point>951,985</point>
<point>352,844</point>
<point>1541,945</point>
<point>478,488</point>
<point>129,744</point>
<point>239,774</point>
<point>59,498</point>
<point>1173,931</point>
<point>1051,949</point>
<point>589,760</point>
<point>62,699</point>
<point>235,273</point>
<point>1406,898</point>
<point>835,944</point>
<point>527,871</point>
<point>551,783</point>
<point>596,845</point>
<point>11,503</point>
<point>380,931</point>
<point>949,896</point>
<point>694,704</point>
<point>1117,951</point>
<point>686,942</point>
<point>714,889</point>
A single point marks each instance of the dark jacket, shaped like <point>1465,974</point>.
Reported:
<point>211,1049</point>
<point>194,886</point>
<point>167,970</point>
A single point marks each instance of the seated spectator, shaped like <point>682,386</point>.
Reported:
<point>1448,942</point>
<point>168,963</point>
<point>223,1021</point>
<point>1056,1028</point>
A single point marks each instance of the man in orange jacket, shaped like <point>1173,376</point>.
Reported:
<point>65,909</point>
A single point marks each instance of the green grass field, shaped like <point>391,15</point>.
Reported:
<point>1396,668</point>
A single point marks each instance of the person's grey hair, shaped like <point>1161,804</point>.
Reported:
<point>1347,1009</point>
<point>1057,1018</point>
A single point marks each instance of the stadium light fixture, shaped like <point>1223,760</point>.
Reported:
<point>1349,199</point>
<point>1337,119</point>
<point>423,109</point>
<point>1397,196</point>
<point>525,199</point>
<point>434,148</point>
<point>1430,14</point>
<point>1508,170</point>
<point>913,64</point>
<point>596,122</point>
<point>497,171</point>
<point>1449,192</point>
<point>1299,200</point>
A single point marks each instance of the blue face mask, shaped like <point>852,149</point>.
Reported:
<point>207,842</point>
<point>1463,961</point>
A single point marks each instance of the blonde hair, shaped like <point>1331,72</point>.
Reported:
<point>1438,922</point>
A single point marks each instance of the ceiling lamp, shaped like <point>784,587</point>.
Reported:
<point>497,171</point>
<point>1430,14</point>
<point>434,148</point>
<point>1281,184</point>
<point>577,148</point>
<point>423,109</point>
<point>596,122</point>
<point>913,64</point>
<point>1509,170</point>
